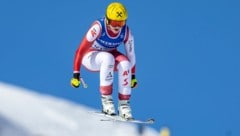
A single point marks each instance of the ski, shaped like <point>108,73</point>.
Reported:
<point>117,118</point>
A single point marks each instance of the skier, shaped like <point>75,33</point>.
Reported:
<point>98,52</point>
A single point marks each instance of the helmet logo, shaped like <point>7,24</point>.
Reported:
<point>119,14</point>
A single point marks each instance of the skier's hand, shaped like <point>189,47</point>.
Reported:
<point>75,81</point>
<point>133,82</point>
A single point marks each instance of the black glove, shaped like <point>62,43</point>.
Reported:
<point>75,81</point>
<point>133,82</point>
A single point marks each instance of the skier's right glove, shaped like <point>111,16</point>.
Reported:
<point>75,81</point>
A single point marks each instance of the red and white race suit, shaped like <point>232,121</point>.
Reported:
<point>98,52</point>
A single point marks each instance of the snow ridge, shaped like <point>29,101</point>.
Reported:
<point>24,112</point>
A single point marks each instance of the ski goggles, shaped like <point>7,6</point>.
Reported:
<point>114,23</point>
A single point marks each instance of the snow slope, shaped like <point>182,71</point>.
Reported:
<point>26,113</point>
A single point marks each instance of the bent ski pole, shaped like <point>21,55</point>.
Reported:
<point>83,83</point>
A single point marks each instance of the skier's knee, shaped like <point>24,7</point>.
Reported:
<point>108,58</point>
<point>124,65</point>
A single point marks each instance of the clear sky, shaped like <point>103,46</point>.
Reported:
<point>188,65</point>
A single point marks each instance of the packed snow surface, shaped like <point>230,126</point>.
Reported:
<point>25,112</point>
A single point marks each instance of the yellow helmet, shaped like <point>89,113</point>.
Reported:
<point>116,11</point>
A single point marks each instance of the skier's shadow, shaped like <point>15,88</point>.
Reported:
<point>141,129</point>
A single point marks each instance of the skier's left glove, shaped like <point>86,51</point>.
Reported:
<point>75,81</point>
<point>133,81</point>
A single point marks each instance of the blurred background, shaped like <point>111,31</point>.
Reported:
<point>188,66</point>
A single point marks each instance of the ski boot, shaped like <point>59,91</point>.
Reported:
<point>124,109</point>
<point>108,105</point>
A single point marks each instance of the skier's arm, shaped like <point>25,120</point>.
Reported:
<point>130,52</point>
<point>84,46</point>
<point>129,48</point>
<point>86,43</point>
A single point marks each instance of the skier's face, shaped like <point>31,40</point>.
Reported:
<point>116,29</point>
<point>116,26</point>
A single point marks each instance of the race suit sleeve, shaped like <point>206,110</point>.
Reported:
<point>85,45</point>
<point>129,48</point>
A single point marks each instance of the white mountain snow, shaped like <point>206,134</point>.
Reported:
<point>26,113</point>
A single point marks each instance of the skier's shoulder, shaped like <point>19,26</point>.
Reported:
<point>96,23</point>
<point>94,31</point>
<point>99,22</point>
<point>128,29</point>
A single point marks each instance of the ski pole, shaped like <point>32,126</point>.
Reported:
<point>83,83</point>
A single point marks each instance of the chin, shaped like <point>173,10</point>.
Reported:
<point>115,31</point>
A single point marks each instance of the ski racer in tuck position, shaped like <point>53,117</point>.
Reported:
<point>98,52</point>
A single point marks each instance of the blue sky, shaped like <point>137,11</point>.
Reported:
<point>187,51</point>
